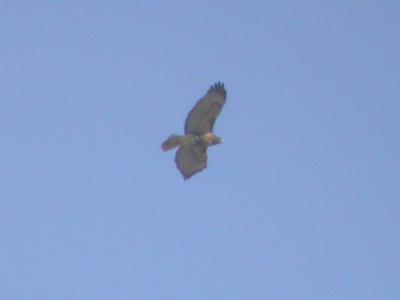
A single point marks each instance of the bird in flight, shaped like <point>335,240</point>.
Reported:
<point>191,156</point>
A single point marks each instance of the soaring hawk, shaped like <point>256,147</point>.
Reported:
<point>191,156</point>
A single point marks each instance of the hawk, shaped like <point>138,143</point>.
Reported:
<point>191,156</point>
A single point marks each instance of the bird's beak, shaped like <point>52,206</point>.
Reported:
<point>222,141</point>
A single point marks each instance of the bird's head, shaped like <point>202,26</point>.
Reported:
<point>211,139</point>
<point>216,140</point>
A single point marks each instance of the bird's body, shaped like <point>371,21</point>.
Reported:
<point>175,140</point>
<point>191,156</point>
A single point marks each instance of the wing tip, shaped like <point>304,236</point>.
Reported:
<point>189,175</point>
<point>219,88</point>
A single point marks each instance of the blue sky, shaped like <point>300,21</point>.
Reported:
<point>300,202</point>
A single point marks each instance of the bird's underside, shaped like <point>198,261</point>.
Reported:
<point>191,156</point>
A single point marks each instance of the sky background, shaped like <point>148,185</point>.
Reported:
<point>302,201</point>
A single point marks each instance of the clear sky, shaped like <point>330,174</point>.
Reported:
<point>302,201</point>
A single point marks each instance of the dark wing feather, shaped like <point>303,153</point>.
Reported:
<point>202,117</point>
<point>191,159</point>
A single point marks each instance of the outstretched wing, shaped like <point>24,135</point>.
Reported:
<point>191,159</point>
<point>202,117</point>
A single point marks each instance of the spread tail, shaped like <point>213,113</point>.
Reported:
<point>171,142</point>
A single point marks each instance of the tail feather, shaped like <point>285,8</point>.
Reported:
<point>171,142</point>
